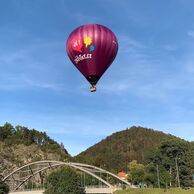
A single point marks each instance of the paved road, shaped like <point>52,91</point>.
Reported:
<point>88,190</point>
<point>28,192</point>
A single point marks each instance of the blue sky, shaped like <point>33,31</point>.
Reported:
<point>150,83</point>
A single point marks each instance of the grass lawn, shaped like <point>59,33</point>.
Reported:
<point>156,191</point>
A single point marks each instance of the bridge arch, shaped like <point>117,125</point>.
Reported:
<point>21,175</point>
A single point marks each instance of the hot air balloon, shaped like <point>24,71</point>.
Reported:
<point>92,48</point>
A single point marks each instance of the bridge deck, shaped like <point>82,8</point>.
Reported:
<point>28,192</point>
<point>88,190</point>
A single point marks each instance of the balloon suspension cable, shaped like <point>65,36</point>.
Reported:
<point>92,88</point>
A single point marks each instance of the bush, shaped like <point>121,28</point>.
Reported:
<point>4,189</point>
<point>64,181</point>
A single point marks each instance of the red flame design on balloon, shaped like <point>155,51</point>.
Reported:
<point>77,44</point>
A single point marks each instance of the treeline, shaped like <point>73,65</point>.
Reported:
<point>22,135</point>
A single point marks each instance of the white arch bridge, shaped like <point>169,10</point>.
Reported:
<point>35,172</point>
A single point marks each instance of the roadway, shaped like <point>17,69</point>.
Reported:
<point>28,192</point>
<point>88,190</point>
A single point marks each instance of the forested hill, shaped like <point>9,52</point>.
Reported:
<point>20,145</point>
<point>117,150</point>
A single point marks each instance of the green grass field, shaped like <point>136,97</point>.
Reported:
<point>156,191</point>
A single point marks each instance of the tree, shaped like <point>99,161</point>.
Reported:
<point>174,159</point>
<point>4,189</point>
<point>136,172</point>
<point>150,175</point>
<point>6,131</point>
<point>164,177</point>
<point>179,153</point>
<point>62,181</point>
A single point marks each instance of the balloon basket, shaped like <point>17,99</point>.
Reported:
<point>92,88</point>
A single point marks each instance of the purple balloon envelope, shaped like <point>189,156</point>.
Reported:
<point>92,48</point>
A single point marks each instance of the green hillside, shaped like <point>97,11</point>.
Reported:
<point>118,149</point>
<point>20,145</point>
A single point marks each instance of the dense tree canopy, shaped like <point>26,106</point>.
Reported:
<point>4,189</point>
<point>64,181</point>
<point>174,159</point>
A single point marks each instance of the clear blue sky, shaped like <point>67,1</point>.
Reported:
<point>150,83</point>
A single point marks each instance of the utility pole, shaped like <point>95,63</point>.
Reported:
<point>170,176</point>
<point>177,172</point>
<point>158,175</point>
